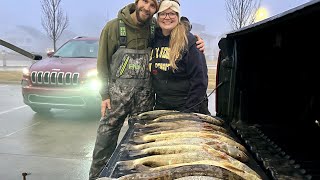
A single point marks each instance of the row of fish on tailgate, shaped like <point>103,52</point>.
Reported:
<point>171,144</point>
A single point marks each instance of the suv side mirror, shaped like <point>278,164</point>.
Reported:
<point>50,54</point>
<point>37,57</point>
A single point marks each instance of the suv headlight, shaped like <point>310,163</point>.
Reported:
<point>25,71</point>
<point>92,73</point>
<point>92,81</point>
<point>94,84</point>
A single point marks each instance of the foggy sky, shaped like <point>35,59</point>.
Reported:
<point>89,17</point>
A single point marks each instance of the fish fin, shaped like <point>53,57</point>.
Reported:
<point>143,115</point>
<point>207,128</point>
<point>211,143</point>
<point>231,167</point>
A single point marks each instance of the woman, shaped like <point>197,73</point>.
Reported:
<point>178,68</point>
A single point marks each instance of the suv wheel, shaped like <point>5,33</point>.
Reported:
<point>40,110</point>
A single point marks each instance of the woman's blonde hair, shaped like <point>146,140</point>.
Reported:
<point>178,43</point>
<point>178,40</point>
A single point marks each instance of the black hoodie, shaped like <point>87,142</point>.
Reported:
<point>184,88</point>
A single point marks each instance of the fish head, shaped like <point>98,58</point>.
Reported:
<point>238,154</point>
<point>243,157</point>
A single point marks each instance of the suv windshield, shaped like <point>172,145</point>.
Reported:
<point>78,49</point>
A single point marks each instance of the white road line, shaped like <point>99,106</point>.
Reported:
<point>19,130</point>
<point>13,109</point>
<point>3,86</point>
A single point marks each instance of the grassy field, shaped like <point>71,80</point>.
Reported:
<point>212,74</point>
<point>212,78</point>
<point>10,76</point>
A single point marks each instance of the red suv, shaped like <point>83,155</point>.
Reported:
<point>65,80</point>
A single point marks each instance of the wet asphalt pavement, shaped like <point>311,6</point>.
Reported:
<point>50,147</point>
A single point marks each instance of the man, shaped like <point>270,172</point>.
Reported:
<point>122,67</point>
<point>186,22</point>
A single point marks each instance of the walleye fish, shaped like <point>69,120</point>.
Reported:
<point>190,117</point>
<point>149,115</point>
<point>183,171</point>
<point>151,138</point>
<point>248,175</point>
<point>215,157</point>
<point>167,150</point>
<point>157,147</point>
<point>181,129</point>
<point>230,150</point>
<point>199,130</point>
<point>204,116</point>
<point>177,124</point>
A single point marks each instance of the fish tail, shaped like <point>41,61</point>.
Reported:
<point>138,125</point>
<point>138,140</point>
<point>135,153</point>
<point>125,165</point>
<point>130,147</point>
<point>146,131</point>
<point>138,134</point>
<point>143,117</point>
<point>141,167</point>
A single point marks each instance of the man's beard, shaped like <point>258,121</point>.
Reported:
<point>140,20</point>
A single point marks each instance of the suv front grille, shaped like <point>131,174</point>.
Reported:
<point>55,78</point>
